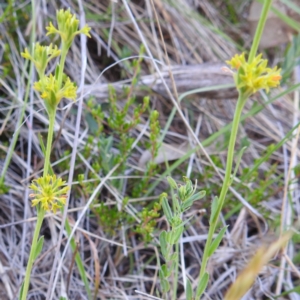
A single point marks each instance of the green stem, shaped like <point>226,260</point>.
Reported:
<point>225,186</point>
<point>64,52</point>
<point>40,212</point>
<point>49,141</point>
<point>259,30</point>
<point>235,124</point>
<point>40,218</point>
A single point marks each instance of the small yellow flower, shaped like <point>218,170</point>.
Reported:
<point>50,91</point>
<point>236,61</point>
<point>254,76</point>
<point>50,192</point>
<point>67,27</point>
<point>41,56</point>
<point>68,90</point>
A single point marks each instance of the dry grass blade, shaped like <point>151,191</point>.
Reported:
<point>246,279</point>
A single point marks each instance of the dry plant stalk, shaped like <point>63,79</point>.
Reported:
<point>246,279</point>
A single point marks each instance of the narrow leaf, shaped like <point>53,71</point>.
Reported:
<point>172,183</point>
<point>165,272</point>
<point>214,207</point>
<point>173,257</point>
<point>39,247</point>
<point>189,202</point>
<point>215,244</point>
<point>176,234</point>
<point>186,205</point>
<point>42,144</point>
<point>53,100</point>
<point>163,242</point>
<point>21,290</point>
<point>198,196</point>
<point>167,209</point>
<point>56,71</point>
<point>188,290</point>
<point>165,286</point>
<point>202,285</point>
<point>239,158</point>
<point>169,238</point>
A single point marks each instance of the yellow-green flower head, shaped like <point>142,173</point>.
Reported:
<point>50,192</point>
<point>67,27</point>
<point>52,93</point>
<point>41,56</point>
<point>254,76</point>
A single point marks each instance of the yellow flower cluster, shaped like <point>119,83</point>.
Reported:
<point>50,91</point>
<point>50,192</point>
<point>67,27</point>
<point>54,88</point>
<point>255,75</point>
<point>41,56</point>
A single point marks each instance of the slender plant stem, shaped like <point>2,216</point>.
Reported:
<point>226,184</point>
<point>259,30</point>
<point>49,141</point>
<point>40,218</point>
<point>40,212</point>
<point>63,56</point>
<point>235,124</point>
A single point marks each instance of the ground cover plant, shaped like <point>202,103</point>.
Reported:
<point>170,173</point>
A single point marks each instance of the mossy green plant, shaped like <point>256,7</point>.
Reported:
<point>113,123</point>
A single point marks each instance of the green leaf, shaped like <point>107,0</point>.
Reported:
<point>291,5</point>
<point>92,123</point>
<point>56,72</point>
<point>163,243</point>
<point>188,290</point>
<point>42,144</point>
<point>214,207</point>
<point>188,203</point>
<point>175,234</point>
<point>189,191</point>
<point>291,59</point>
<point>182,193</point>
<point>166,273</point>
<point>173,257</point>
<point>169,238</point>
<point>21,290</point>
<point>202,285</point>
<point>52,101</point>
<point>167,209</point>
<point>198,196</point>
<point>172,183</point>
<point>165,286</point>
<point>239,158</point>
<point>62,298</point>
<point>39,247</point>
<point>215,244</point>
